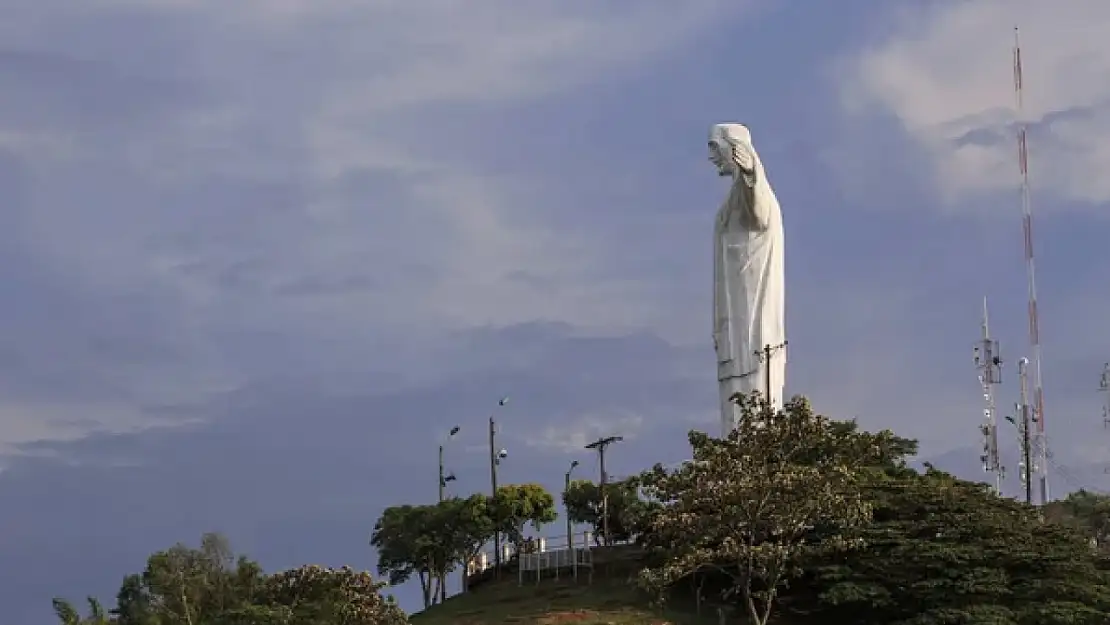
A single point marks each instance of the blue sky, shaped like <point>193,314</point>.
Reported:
<point>257,258</point>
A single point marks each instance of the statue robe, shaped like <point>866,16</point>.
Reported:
<point>749,288</point>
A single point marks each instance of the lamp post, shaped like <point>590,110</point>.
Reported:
<point>495,458</point>
<point>443,479</point>
<point>566,489</point>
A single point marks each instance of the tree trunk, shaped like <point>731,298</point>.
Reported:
<point>753,611</point>
<point>426,589</point>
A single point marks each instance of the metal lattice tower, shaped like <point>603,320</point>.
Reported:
<point>1039,439</point>
<point>989,365</point>
<point>1028,462</point>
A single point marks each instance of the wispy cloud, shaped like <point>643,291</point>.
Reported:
<point>297,179</point>
<point>943,71</point>
<point>572,433</point>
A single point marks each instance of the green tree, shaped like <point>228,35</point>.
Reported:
<point>210,586</point>
<point>401,538</point>
<point>1086,511</point>
<point>430,541</point>
<point>515,506</point>
<point>468,526</point>
<point>185,585</point>
<point>68,615</point>
<point>316,595</point>
<point>133,602</point>
<point>758,504</point>
<point>941,550</point>
<point>179,586</point>
<point>585,505</point>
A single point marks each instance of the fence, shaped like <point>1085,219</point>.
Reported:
<point>540,558</point>
<point>554,560</point>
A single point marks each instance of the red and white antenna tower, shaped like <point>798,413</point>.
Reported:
<point>1039,438</point>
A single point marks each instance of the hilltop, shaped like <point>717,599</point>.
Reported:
<point>611,597</point>
<point>611,601</point>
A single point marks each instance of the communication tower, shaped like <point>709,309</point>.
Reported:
<point>1038,438</point>
<point>1028,462</point>
<point>989,365</point>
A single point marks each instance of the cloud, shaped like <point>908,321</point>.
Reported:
<point>204,195</point>
<point>296,473</point>
<point>929,120</point>
<point>942,71</point>
<point>304,239</point>
<point>574,432</point>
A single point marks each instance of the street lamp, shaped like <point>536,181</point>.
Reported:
<point>495,458</point>
<point>443,479</point>
<point>566,489</point>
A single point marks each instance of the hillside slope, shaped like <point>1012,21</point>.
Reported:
<point>606,601</point>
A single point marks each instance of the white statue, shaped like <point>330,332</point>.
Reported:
<point>748,276</point>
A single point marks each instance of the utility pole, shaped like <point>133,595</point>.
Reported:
<point>495,457</point>
<point>765,358</point>
<point>600,445</point>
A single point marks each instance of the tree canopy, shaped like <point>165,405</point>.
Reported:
<point>430,541</point>
<point>750,506</point>
<point>210,585</point>
<point>1087,512</point>
<point>516,506</point>
<point>829,523</point>
<point>585,504</point>
<point>944,550</point>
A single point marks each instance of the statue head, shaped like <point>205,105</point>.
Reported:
<point>723,142</point>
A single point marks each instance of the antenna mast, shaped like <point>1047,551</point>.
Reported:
<point>1039,440</point>
<point>989,364</point>
<point>1028,463</point>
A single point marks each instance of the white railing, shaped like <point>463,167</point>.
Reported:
<point>545,557</point>
<point>551,558</point>
<point>542,557</point>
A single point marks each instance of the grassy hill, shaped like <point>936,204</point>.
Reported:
<point>609,601</point>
